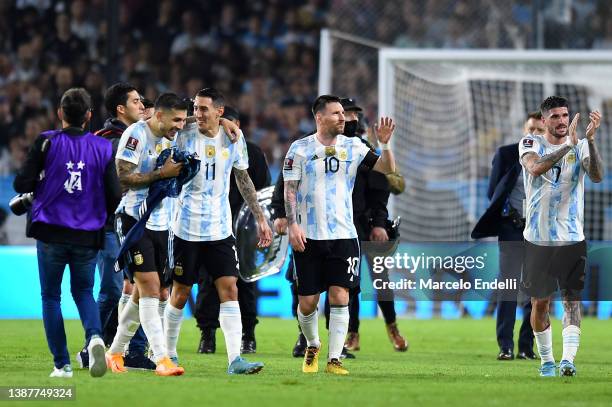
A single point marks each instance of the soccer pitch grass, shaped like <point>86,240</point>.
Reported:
<point>450,362</point>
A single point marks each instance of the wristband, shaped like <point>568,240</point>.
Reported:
<point>384,146</point>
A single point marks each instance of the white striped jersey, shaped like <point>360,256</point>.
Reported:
<point>202,211</point>
<point>139,146</point>
<point>555,200</point>
<point>326,176</point>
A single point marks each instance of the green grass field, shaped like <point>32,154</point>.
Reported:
<point>449,362</point>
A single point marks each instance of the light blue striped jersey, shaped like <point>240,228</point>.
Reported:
<point>555,200</point>
<point>202,211</point>
<point>139,146</point>
<point>326,176</point>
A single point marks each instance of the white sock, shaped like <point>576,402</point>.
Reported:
<point>129,321</point>
<point>231,325</point>
<point>544,343</point>
<point>123,302</point>
<point>571,341</point>
<point>152,326</point>
<point>173,317</point>
<point>310,327</point>
<point>338,327</point>
<point>161,309</point>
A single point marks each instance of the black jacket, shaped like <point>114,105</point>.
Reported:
<point>259,173</point>
<point>26,179</point>
<point>506,169</point>
<point>112,131</point>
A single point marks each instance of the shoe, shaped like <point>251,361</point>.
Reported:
<point>174,360</point>
<point>567,368</point>
<point>242,366</point>
<point>505,354</point>
<point>65,371</point>
<point>97,360</point>
<point>114,361</point>
<point>83,358</point>
<point>352,341</point>
<point>529,355</point>
<point>346,354</point>
<point>300,347</point>
<point>311,360</point>
<point>399,343</point>
<point>548,369</point>
<point>249,345</point>
<point>335,366</point>
<point>138,361</point>
<point>165,367</point>
<point>208,343</point>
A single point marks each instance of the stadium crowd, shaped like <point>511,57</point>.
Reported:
<point>261,54</point>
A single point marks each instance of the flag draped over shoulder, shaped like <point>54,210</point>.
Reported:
<point>160,189</point>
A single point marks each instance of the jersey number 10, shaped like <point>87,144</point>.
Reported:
<point>332,164</point>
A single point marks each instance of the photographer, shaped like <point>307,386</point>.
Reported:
<point>71,173</point>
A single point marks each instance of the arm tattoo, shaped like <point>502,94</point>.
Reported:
<point>572,314</point>
<point>291,201</point>
<point>248,192</point>
<point>135,180</point>
<point>593,164</point>
<point>539,165</point>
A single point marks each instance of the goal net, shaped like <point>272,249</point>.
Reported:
<point>455,108</point>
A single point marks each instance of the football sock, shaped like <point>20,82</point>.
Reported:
<point>152,326</point>
<point>161,309</point>
<point>129,321</point>
<point>231,325</point>
<point>123,302</point>
<point>173,317</point>
<point>338,327</point>
<point>544,343</point>
<point>571,341</point>
<point>310,327</point>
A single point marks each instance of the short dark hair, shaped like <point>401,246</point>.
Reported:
<point>117,95</point>
<point>170,101</point>
<point>231,113</point>
<point>552,102</point>
<point>321,102</point>
<point>217,97</point>
<point>534,115</point>
<point>75,104</point>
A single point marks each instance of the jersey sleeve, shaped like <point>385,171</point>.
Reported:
<point>292,167</point>
<point>241,160</point>
<point>131,145</point>
<point>363,153</point>
<point>528,144</point>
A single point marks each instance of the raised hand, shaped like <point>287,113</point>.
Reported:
<point>572,134</point>
<point>595,117</point>
<point>384,129</point>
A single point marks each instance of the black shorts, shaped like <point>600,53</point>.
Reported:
<point>325,263</point>
<point>149,254</point>
<point>218,258</point>
<point>547,269</point>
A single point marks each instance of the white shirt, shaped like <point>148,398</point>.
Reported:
<point>139,146</point>
<point>555,200</point>
<point>202,211</point>
<point>326,176</point>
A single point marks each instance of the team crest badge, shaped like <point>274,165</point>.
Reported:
<point>343,155</point>
<point>571,157</point>
<point>210,151</point>
<point>330,151</point>
<point>178,270</point>
<point>158,148</point>
<point>225,153</point>
<point>138,259</point>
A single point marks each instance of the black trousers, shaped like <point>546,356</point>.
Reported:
<point>510,262</point>
<point>207,305</point>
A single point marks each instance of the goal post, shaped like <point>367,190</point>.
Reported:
<point>454,108</point>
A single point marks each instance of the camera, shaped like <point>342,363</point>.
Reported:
<point>21,203</point>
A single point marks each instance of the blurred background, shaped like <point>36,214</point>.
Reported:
<point>264,55</point>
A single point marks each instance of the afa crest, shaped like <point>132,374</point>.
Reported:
<point>138,259</point>
<point>571,157</point>
<point>178,270</point>
<point>210,151</point>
